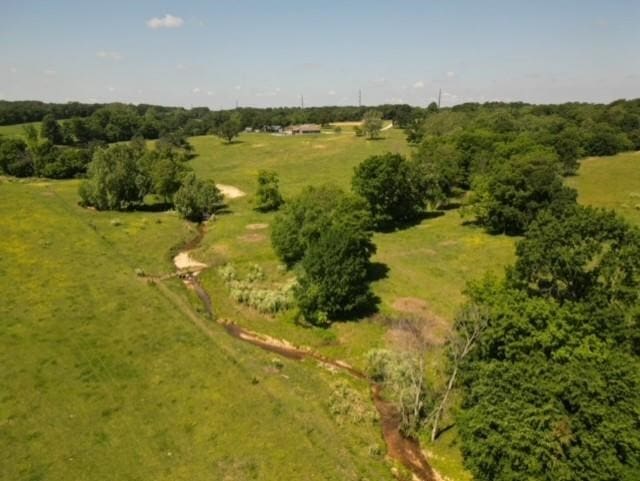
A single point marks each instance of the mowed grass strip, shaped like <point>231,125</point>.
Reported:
<point>104,378</point>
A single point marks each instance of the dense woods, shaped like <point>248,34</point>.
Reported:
<point>552,389</point>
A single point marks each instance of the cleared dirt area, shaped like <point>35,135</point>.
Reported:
<point>257,226</point>
<point>230,191</point>
<point>436,328</point>
<point>184,261</point>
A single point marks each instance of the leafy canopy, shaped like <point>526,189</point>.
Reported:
<point>552,389</point>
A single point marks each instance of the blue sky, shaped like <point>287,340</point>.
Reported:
<point>268,53</point>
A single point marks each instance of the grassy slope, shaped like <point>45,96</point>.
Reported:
<point>104,378</point>
<point>611,182</point>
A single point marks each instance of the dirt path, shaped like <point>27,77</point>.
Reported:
<point>401,448</point>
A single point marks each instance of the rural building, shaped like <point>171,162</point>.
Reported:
<point>303,129</point>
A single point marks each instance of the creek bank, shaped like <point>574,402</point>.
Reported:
<point>403,449</point>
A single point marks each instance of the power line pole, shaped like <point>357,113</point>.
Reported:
<point>301,101</point>
<point>359,97</point>
<point>236,104</point>
<point>439,97</point>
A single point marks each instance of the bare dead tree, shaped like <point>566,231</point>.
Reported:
<point>468,327</point>
<point>413,342</point>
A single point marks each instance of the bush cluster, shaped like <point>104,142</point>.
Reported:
<point>249,292</point>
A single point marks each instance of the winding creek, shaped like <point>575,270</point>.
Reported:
<point>401,448</point>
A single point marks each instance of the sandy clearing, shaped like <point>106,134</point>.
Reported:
<point>386,127</point>
<point>230,191</point>
<point>184,261</point>
<point>256,226</point>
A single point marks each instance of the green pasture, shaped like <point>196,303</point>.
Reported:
<point>105,376</point>
<point>611,182</point>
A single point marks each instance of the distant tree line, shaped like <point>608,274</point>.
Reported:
<point>512,156</point>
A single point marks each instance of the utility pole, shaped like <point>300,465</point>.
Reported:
<point>236,104</point>
<point>439,97</point>
<point>301,101</point>
<point>359,97</point>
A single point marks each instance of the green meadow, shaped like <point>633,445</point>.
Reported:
<point>16,130</point>
<point>105,376</point>
<point>108,376</point>
<point>611,182</point>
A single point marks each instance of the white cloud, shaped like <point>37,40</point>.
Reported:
<point>168,21</point>
<point>379,81</point>
<point>49,72</point>
<point>418,85</point>
<point>111,89</point>
<point>195,90</point>
<point>451,74</point>
<point>180,66</point>
<point>209,93</point>
<point>111,55</point>
<point>238,87</point>
<point>13,70</point>
<point>331,92</point>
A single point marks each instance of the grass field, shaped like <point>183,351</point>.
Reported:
<point>611,182</point>
<point>424,268</point>
<point>105,377</point>
<point>16,130</point>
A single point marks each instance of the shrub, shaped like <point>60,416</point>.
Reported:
<point>268,194</point>
<point>347,405</point>
<point>247,291</point>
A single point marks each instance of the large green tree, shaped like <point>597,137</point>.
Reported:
<point>230,128</point>
<point>116,179</point>
<point>393,187</point>
<point>329,234</point>
<point>509,197</point>
<point>197,199</point>
<point>552,389</point>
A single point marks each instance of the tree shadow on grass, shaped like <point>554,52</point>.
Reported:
<point>154,207</point>
<point>403,225</point>
<point>377,271</point>
<point>450,206</point>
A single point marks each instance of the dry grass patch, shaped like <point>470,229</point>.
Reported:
<point>436,328</point>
